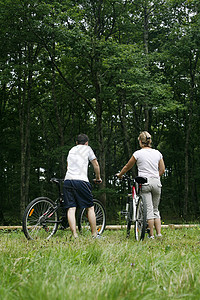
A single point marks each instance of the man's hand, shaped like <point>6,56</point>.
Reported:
<point>97,181</point>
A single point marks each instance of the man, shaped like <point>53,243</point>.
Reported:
<point>77,189</point>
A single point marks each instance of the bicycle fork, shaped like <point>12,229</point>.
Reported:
<point>130,206</point>
<point>135,200</point>
<point>127,205</point>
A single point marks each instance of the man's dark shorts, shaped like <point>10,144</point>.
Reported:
<point>77,193</point>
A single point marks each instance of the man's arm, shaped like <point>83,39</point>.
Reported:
<point>96,169</point>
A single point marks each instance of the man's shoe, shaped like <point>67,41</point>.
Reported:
<point>98,236</point>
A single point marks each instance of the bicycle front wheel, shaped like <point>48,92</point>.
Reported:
<point>141,219</point>
<point>83,222</point>
<point>40,220</point>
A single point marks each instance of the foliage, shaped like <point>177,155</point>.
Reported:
<point>107,68</point>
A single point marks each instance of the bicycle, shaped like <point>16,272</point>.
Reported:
<point>42,216</point>
<point>136,207</point>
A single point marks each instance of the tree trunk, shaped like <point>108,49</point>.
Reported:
<point>122,115</point>
<point>187,152</point>
<point>186,185</point>
<point>24,119</point>
<point>146,50</point>
<point>102,160</point>
<point>193,66</point>
<point>100,137</point>
<point>146,30</point>
<point>59,122</point>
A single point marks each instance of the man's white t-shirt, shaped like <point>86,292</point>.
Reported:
<point>147,161</point>
<point>77,162</point>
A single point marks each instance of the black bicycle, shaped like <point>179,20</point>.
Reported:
<point>136,207</point>
<point>42,216</point>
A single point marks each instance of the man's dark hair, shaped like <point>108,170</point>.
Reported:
<point>82,139</point>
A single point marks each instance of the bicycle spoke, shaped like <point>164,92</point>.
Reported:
<point>140,223</point>
<point>83,222</point>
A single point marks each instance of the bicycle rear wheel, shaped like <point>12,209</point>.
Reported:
<point>83,222</point>
<point>141,219</point>
<point>40,219</point>
<point>129,218</point>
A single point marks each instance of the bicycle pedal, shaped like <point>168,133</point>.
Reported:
<point>61,228</point>
<point>64,223</point>
<point>61,203</point>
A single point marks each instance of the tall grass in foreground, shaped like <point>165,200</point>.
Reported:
<point>110,268</point>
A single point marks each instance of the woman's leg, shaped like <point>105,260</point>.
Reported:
<point>146,192</point>
<point>150,226</point>
<point>156,193</point>
<point>157,223</point>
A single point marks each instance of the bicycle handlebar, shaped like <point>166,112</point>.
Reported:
<point>97,181</point>
<point>58,181</point>
<point>125,177</point>
<point>138,179</point>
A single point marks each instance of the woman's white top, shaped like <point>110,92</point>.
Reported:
<point>147,161</point>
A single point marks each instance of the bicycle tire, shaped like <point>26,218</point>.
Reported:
<point>129,218</point>
<point>141,219</point>
<point>83,222</point>
<point>40,219</point>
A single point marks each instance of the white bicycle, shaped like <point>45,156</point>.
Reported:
<point>136,207</point>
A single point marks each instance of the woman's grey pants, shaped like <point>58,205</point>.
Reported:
<point>152,192</point>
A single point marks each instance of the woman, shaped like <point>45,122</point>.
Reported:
<point>150,165</point>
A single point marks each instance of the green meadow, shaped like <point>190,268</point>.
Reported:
<point>109,268</point>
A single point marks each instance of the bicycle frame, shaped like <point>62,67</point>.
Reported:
<point>133,206</point>
<point>47,215</point>
<point>133,197</point>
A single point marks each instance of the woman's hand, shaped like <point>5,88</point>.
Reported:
<point>119,176</point>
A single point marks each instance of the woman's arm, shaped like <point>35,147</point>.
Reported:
<point>127,167</point>
<point>161,167</point>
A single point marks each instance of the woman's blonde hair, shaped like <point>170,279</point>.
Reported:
<point>145,138</point>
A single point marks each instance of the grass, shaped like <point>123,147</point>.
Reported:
<point>109,268</point>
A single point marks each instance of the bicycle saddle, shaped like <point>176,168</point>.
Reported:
<point>141,180</point>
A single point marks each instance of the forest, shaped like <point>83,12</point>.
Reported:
<point>107,68</point>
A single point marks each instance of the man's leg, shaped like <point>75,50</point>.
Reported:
<point>92,220</point>
<point>72,220</point>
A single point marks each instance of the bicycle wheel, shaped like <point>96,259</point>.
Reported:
<point>40,219</point>
<point>129,218</point>
<point>83,222</point>
<point>141,219</point>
